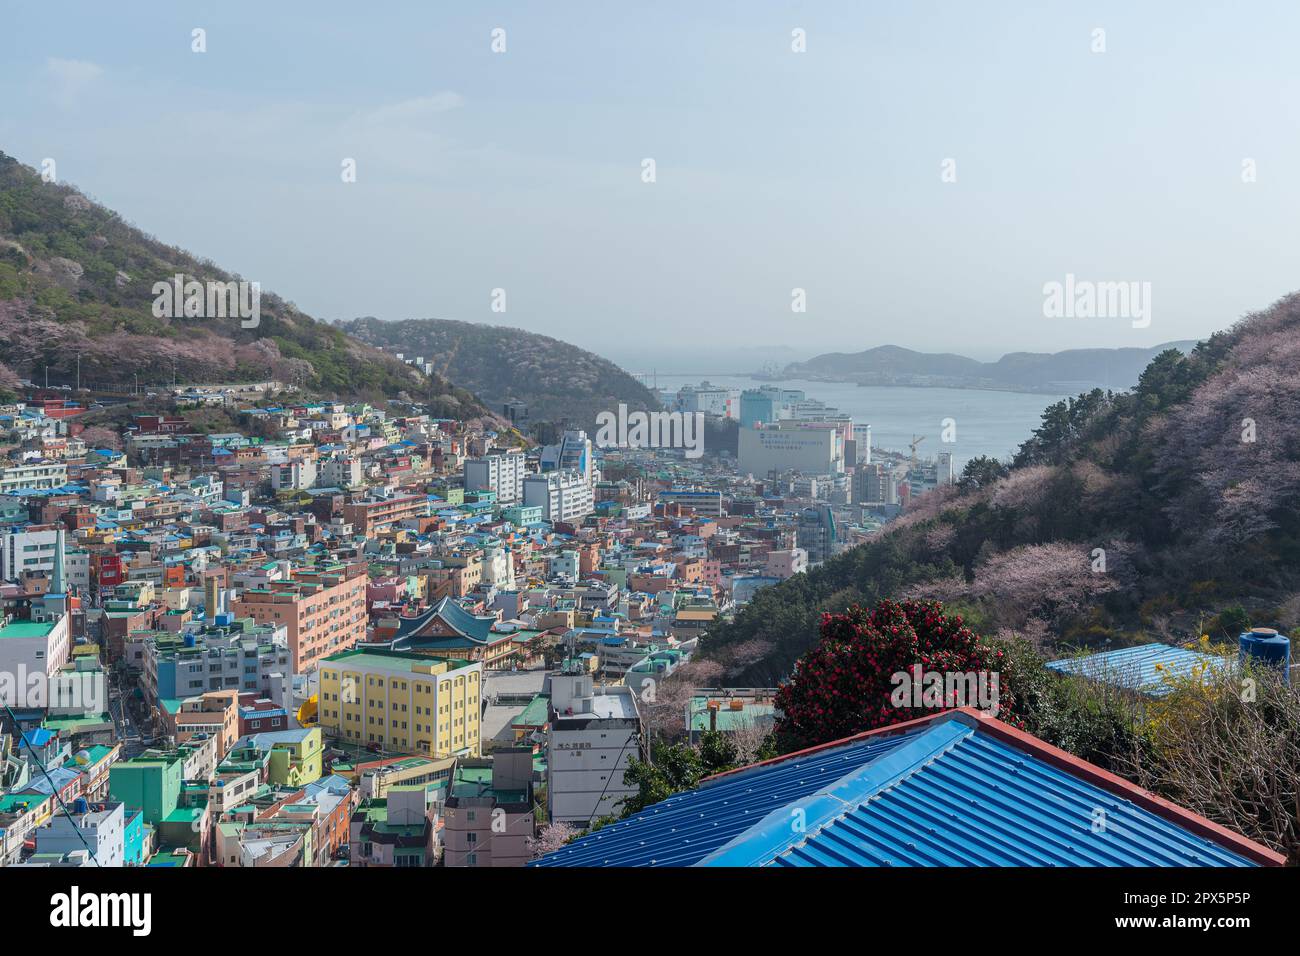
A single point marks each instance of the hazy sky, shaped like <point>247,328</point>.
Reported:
<point>775,170</point>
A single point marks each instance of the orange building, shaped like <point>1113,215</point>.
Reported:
<point>371,515</point>
<point>215,713</point>
<point>324,611</point>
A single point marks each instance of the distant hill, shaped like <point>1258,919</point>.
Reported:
<point>558,382</point>
<point>1022,371</point>
<point>77,297</point>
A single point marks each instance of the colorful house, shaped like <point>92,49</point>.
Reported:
<point>292,757</point>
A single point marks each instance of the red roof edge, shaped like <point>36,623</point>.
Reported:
<point>1055,756</point>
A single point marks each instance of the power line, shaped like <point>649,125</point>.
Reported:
<point>614,770</point>
<point>22,735</point>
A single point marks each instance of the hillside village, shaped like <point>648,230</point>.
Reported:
<point>339,633</point>
<point>353,634</point>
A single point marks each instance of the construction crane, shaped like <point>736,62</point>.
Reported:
<point>915,441</point>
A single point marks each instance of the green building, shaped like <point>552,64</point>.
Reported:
<point>151,785</point>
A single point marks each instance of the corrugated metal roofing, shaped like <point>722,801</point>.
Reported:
<point>946,793</point>
<point>984,803</point>
<point>1150,668</point>
<point>685,828</point>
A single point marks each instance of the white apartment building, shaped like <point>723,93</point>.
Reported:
<point>806,448</point>
<point>562,495</point>
<point>28,648</point>
<point>594,735</point>
<point>41,475</point>
<point>500,473</point>
<point>27,551</point>
<point>34,551</point>
<point>295,475</point>
<point>340,472</point>
<point>104,831</point>
<point>710,399</point>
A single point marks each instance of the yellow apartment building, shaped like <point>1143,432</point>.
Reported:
<point>405,703</point>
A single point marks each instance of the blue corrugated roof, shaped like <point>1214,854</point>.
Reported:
<point>685,828</point>
<point>947,792</point>
<point>984,804</point>
<point>1148,668</point>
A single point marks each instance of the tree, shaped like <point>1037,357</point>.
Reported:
<point>849,682</point>
<point>1052,581</point>
<point>537,646</point>
<point>1227,746</point>
<point>980,472</point>
<point>676,767</point>
<point>1055,439</point>
<point>663,703</point>
<point>550,837</point>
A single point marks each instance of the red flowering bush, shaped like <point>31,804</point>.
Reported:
<point>851,681</point>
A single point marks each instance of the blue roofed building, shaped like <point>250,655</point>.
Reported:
<point>1152,670</point>
<point>953,789</point>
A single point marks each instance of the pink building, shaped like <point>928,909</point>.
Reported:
<point>785,564</point>
<point>713,573</point>
<point>385,591</point>
<point>489,810</point>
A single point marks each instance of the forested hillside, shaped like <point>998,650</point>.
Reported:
<point>76,303</point>
<point>559,382</point>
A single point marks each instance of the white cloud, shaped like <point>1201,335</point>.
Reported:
<point>68,78</point>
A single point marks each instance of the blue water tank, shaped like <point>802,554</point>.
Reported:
<point>80,805</point>
<point>189,640</point>
<point>1267,646</point>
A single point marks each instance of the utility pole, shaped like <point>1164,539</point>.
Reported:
<point>78,371</point>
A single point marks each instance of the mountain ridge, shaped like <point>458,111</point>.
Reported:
<point>1113,368</point>
<point>557,380</point>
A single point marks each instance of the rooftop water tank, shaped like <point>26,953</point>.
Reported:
<point>189,640</point>
<point>80,805</point>
<point>1267,646</point>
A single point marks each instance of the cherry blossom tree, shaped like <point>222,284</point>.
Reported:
<point>550,837</point>
<point>1050,580</point>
